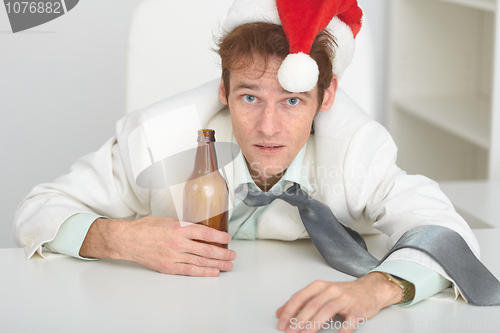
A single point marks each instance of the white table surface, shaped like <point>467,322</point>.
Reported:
<point>70,295</point>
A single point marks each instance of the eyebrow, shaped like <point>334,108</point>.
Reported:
<point>245,85</point>
<point>256,87</point>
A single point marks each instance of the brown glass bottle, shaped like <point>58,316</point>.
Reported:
<point>206,193</point>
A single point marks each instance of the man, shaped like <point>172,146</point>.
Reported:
<point>100,211</point>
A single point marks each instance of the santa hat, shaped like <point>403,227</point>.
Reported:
<point>302,21</point>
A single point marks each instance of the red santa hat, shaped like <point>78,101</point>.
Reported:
<point>302,21</point>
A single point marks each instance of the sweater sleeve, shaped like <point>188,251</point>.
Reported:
<point>98,184</point>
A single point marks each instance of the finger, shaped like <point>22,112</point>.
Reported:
<point>328,293</point>
<point>323,316</point>
<point>180,268</point>
<point>193,270</point>
<point>279,311</point>
<point>205,262</point>
<point>298,301</point>
<point>210,251</point>
<point>349,325</point>
<point>311,313</point>
<point>204,233</point>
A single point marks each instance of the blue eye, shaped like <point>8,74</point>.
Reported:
<point>249,98</point>
<point>292,101</point>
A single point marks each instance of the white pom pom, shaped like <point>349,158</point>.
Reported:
<point>298,73</point>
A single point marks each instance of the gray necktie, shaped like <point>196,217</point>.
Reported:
<point>344,249</point>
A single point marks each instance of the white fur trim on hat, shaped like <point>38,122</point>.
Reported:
<point>344,52</point>
<point>249,11</point>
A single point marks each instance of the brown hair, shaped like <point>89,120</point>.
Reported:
<point>241,47</point>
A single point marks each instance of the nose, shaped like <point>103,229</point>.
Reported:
<point>269,122</point>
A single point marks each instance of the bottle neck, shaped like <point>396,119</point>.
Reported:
<point>206,159</point>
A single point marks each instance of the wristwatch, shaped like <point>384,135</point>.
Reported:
<point>407,287</point>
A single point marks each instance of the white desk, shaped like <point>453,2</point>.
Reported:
<point>71,295</point>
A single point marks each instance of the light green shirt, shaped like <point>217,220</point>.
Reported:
<point>243,222</point>
<point>243,225</point>
<point>71,234</point>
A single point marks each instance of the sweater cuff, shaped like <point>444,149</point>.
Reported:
<point>426,281</point>
<point>71,234</point>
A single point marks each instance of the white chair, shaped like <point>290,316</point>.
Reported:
<point>169,51</point>
<point>169,48</point>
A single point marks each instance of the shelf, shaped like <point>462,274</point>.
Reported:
<point>487,5</point>
<point>467,118</point>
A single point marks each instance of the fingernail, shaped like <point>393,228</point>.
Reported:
<point>281,325</point>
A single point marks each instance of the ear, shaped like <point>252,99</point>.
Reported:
<point>222,92</point>
<point>330,93</point>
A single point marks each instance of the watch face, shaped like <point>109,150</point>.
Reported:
<point>408,288</point>
<point>408,291</point>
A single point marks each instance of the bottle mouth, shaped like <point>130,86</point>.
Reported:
<point>206,135</point>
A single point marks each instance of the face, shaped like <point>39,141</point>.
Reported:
<point>271,125</point>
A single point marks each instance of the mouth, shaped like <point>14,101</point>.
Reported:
<point>269,148</point>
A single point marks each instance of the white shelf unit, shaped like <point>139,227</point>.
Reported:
<point>444,91</point>
<point>488,5</point>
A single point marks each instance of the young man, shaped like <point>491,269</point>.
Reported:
<point>272,126</point>
<point>100,210</point>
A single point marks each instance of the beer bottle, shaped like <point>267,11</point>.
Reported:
<point>206,193</point>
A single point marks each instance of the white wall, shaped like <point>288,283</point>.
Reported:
<point>62,89</point>
<point>376,16</point>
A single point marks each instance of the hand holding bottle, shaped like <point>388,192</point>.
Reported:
<point>166,245</point>
<point>162,244</point>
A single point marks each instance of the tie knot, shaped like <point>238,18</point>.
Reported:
<point>294,195</point>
